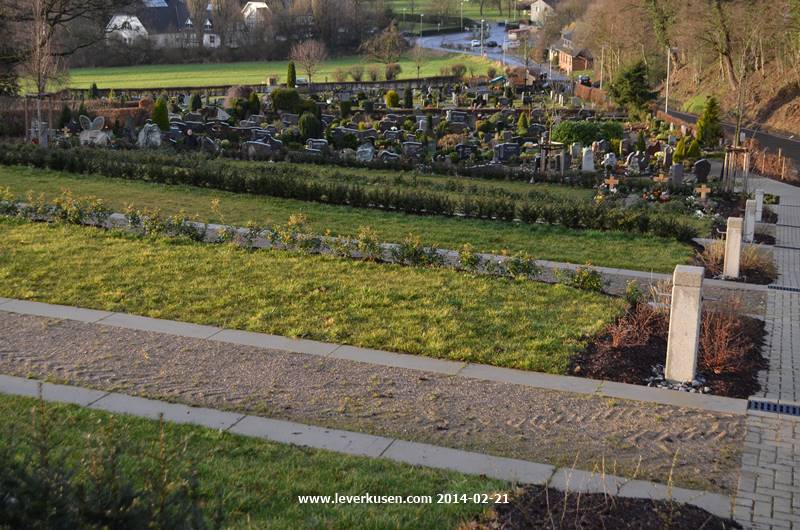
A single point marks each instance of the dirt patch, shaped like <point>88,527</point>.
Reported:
<point>626,438</point>
<point>538,507</point>
<point>730,357</point>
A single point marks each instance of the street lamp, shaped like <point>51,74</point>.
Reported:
<point>420,24</point>
<point>462,14</point>
<point>404,16</point>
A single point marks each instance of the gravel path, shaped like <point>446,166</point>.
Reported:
<point>510,420</point>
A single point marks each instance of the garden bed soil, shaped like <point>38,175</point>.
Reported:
<point>763,239</point>
<point>633,358</point>
<point>538,507</point>
<point>769,216</point>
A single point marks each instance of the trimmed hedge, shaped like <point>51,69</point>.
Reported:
<point>294,182</point>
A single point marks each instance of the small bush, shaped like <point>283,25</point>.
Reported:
<point>392,99</point>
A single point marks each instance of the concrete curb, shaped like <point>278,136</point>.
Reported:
<point>366,445</point>
<point>482,372</point>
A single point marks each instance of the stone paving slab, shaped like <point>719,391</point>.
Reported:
<point>71,394</point>
<point>158,325</point>
<point>4,300</point>
<point>55,311</point>
<point>173,412</point>
<point>472,463</point>
<point>679,399</point>
<point>351,443</point>
<point>18,386</point>
<point>398,360</point>
<point>712,502</point>
<point>535,379</point>
<point>274,342</point>
<point>580,481</point>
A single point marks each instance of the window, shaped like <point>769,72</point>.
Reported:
<point>212,39</point>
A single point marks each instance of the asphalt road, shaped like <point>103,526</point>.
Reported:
<point>790,145</point>
<point>497,34</point>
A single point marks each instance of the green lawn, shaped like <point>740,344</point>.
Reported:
<point>260,481</point>
<point>472,9</point>
<point>434,312</point>
<point>613,249</point>
<point>199,75</point>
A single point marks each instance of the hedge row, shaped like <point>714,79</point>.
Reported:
<point>293,182</point>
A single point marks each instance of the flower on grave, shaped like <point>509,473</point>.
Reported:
<point>699,214</point>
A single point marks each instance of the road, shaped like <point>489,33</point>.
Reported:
<point>497,34</point>
<point>789,145</point>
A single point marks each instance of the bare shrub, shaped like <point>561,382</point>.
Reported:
<point>713,256</point>
<point>374,72</point>
<point>724,346</point>
<point>357,73</point>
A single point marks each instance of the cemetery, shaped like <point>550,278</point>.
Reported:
<point>406,256</point>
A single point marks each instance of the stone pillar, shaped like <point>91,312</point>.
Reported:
<point>676,174</point>
<point>733,247</point>
<point>684,323</point>
<point>749,221</point>
<point>759,204</point>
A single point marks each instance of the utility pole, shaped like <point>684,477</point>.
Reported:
<point>666,95</point>
<point>482,37</point>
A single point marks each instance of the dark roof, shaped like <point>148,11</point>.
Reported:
<point>164,16</point>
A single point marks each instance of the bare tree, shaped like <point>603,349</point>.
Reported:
<point>418,56</point>
<point>309,54</point>
<point>387,46</point>
<point>61,17</point>
<point>227,16</point>
<point>198,14</point>
<point>40,64</point>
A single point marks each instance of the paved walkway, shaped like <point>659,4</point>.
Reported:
<point>352,443</point>
<point>769,486</point>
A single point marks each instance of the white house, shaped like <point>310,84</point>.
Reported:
<point>540,10</point>
<point>255,13</point>
<point>164,22</point>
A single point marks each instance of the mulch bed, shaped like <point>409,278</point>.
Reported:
<point>644,345</point>
<point>757,277</point>
<point>538,507</point>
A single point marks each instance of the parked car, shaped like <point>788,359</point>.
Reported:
<point>475,43</point>
<point>584,80</point>
<point>491,44</point>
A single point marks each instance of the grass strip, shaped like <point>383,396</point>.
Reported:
<point>260,481</point>
<point>611,249</point>
<point>434,312</point>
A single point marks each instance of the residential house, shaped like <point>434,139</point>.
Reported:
<point>570,58</point>
<point>166,23</point>
<point>540,10</point>
<point>255,13</point>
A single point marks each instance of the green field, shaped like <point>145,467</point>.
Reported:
<point>199,75</point>
<point>472,9</point>
<point>259,481</point>
<point>612,249</point>
<point>427,311</point>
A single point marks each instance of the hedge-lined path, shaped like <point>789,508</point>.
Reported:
<point>513,471</point>
<point>518,421</point>
<point>768,495</point>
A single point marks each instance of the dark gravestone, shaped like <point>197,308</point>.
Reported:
<point>701,170</point>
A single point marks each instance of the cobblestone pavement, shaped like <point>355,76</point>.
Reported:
<point>768,496</point>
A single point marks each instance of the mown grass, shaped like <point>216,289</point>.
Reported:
<point>260,481</point>
<point>612,249</point>
<point>434,312</point>
<point>253,72</point>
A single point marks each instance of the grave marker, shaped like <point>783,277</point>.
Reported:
<point>733,248</point>
<point>684,323</point>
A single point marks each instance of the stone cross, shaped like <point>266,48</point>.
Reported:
<point>612,182</point>
<point>661,179</point>
<point>684,323</point>
<point>703,190</point>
